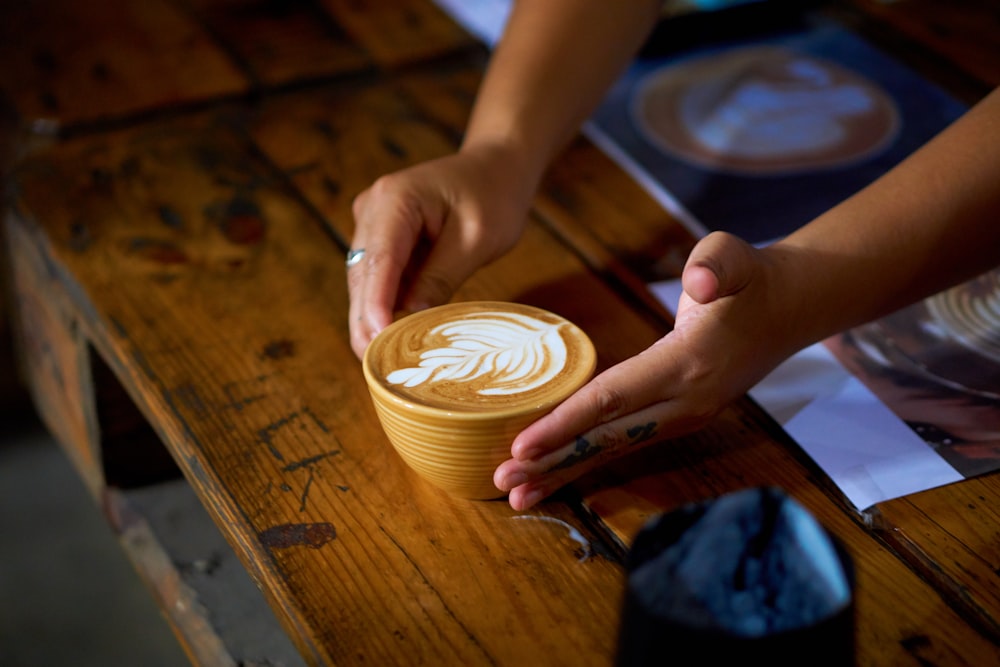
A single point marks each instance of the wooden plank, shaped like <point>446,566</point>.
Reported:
<point>333,141</point>
<point>400,32</point>
<point>182,609</point>
<point>965,33</point>
<point>52,353</point>
<point>68,62</point>
<point>219,303</point>
<point>217,612</point>
<point>951,536</point>
<point>280,43</point>
<point>214,297</point>
<point>735,452</point>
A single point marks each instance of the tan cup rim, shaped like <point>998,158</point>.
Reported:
<point>583,375</point>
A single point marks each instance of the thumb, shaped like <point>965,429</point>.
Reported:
<point>435,279</point>
<point>720,264</point>
<point>434,285</point>
<point>465,246</point>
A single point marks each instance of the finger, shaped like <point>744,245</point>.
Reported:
<point>529,481</point>
<point>719,265</point>
<point>451,260</point>
<point>701,283</point>
<point>645,379</point>
<point>387,230</point>
<point>555,469</point>
<point>371,287</point>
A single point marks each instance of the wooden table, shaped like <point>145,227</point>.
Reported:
<point>181,175</point>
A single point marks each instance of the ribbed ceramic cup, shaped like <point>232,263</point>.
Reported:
<point>453,385</point>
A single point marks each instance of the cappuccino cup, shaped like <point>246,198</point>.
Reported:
<point>453,385</point>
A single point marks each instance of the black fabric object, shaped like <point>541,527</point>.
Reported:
<point>746,578</point>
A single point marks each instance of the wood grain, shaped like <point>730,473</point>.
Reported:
<point>224,319</point>
<point>279,43</point>
<point>965,33</point>
<point>66,63</point>
<point>194,248</point>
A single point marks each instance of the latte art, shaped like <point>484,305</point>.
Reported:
<point>482,356</point>
<point>507,353</point>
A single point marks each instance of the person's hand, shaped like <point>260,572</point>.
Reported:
<point>424,230</point>
<point>724,340</point>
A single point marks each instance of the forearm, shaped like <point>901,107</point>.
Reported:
<point>930,223</point>
<point>549,71</point>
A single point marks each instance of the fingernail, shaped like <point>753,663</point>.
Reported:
<point>520,452</point>
<point>512,480</point>
<point>530,499</point>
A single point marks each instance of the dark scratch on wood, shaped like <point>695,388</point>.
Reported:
<point>304,497</point>
<point>169,216</point>
<point>307,462</point>
<point>157,250</point>
<point>117,325</point>
<point>79,236</point>
<point>266,434</point>
<point>330,185</point>
<point>188,395</point>
<point>914,644</point>
<point>393,148</point>
<point>278,349</point>
<point>283,536</point>
<point>168,397</point>
<point>444,604</point>
<point>239,403</point>
<point>323,427</point>
<point>327,130</point>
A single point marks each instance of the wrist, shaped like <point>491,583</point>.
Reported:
<point>799,302</point>
<point>519,169</point>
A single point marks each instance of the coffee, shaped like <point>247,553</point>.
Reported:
<point>454,385</point>
<point>482,356</point>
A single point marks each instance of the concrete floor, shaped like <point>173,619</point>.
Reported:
<point>68,594</point>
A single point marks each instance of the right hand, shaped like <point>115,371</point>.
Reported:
<point>734,324</point>
<point>426,229</point>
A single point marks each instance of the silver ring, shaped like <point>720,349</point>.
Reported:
<point>354,256</point>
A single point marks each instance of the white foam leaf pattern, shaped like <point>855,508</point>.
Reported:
<point>518,352</point>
